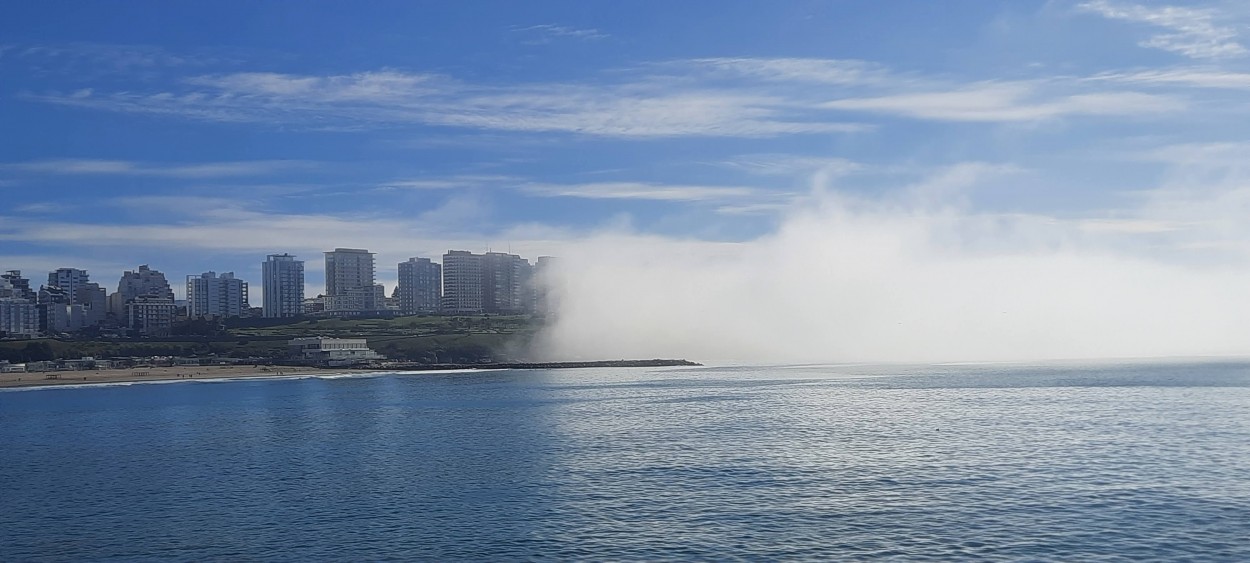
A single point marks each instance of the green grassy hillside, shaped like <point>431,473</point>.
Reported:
<point>429,339</point>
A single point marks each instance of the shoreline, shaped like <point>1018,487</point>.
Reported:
<point>149,374</point>
<point>192,373</point>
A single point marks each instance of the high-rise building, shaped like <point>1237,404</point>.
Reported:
<point>18,315</point>
<point>420,286</point>
<point>81,291</point>
<point>144,281</point>
<point>494,282</point>
<point>462,282</point>
<point>350,286</point>
<point>19,285</point>
<point>57,311</point>
<point>283,283</point>
<point>68,279</point>
<point>144,302</point>
<point>210,295</point>
<point>150,315</point>
<point>505,284</point>
<point>546,285</point>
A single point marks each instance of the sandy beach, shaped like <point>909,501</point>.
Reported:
<point>151,374</point>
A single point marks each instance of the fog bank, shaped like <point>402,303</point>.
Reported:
<point>845,280</point>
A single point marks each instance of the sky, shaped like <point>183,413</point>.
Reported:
<point>203,136</point>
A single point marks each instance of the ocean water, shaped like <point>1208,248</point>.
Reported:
<point>1065,462</point>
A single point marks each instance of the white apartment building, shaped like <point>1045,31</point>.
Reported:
<point>210,295</point>
<point>462,282</point>
<point>282,280</point>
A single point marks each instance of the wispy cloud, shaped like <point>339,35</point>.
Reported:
<point>377,86</point>
<point>1233,157</point>
<point>1192,32</point>
<point>1009,101</point>
<point>545,33</point>
<point>708,97</point>
<point>634,109</point>
<point>1193,77</point>
<point>1129,226</point>
<point>789,165</point>
<point>448,183</point>
<point>823,71</point>
<point>88,61</point>
<point>640,190</point>
<point>128,168</point>
<point>233,230</point>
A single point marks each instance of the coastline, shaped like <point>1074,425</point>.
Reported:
<point>146,374</point>
<point>191,373</point>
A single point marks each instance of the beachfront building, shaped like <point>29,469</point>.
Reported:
<point>282,280</point>
<point>332,351</point>
<point>19,317</point>
<point>144,302</point>
<point>350,286</point>
<point>88,299</point>
<point>142,282</point>
<point>150,315</point>
<point>462,282</point>
<point>506,284</point>
<point>420,286</point>
<point>494,282</point>
<point>210,295</point>
<point>57,312</point>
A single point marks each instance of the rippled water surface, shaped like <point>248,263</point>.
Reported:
<point>1055,462</point>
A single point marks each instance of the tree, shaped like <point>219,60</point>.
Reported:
<point>37,352</point>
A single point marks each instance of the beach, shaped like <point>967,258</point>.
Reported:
<point>139,374</point>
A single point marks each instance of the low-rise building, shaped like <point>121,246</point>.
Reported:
<point>332,351</point>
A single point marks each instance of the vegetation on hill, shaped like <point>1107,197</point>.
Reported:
<point>424,339</point>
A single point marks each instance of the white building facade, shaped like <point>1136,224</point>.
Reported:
<point>282,280</point>
<point>332,351</point>
<point>19,316</point>
<point>210,295</point>
<point>462,282</point>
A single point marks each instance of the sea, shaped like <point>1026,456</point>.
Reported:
<point>1095,461</point>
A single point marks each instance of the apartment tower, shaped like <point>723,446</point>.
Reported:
<point>282,280</point>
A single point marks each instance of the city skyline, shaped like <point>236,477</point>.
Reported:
<point>849,179</point>
<point>531,127</point>
<point>70,302</point>
<point>255,286</point>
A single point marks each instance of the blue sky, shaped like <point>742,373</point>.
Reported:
<point>198,137</point>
